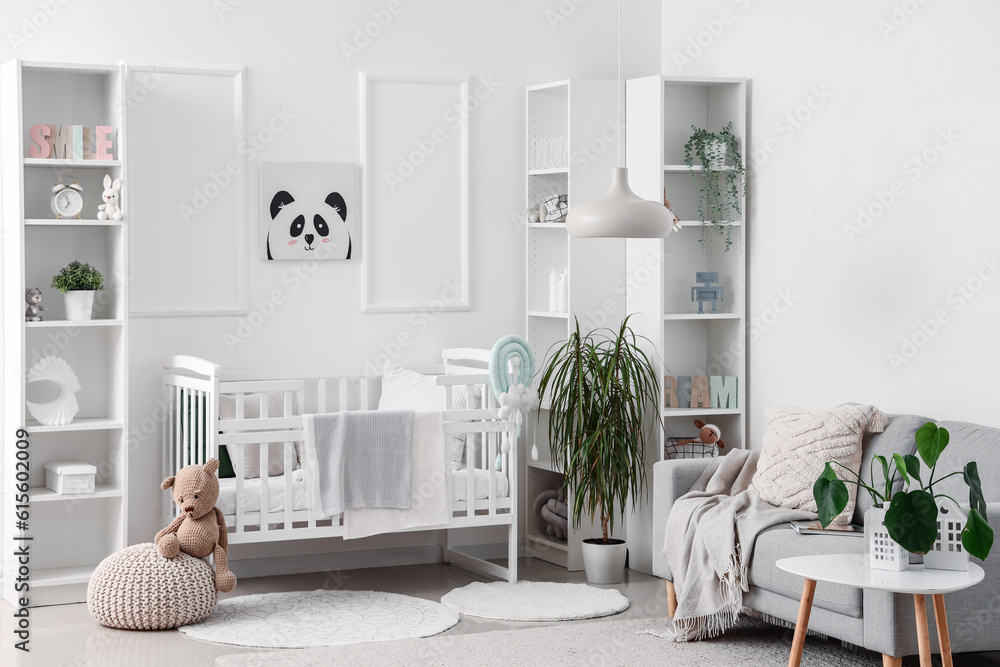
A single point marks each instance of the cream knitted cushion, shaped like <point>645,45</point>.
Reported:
<point>138,589</point>
<point>799,442</point>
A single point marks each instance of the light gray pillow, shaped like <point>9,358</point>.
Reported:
<point>251,453</point>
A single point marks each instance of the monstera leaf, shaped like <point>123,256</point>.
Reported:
<point>912,520</point>
<point>931,441</point>
<point>977,538</point>
<point>977,500</point>
<point>831,495</point>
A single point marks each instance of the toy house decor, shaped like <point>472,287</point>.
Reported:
<point>308,210</point>
<point>948,552</point>
<point>61,409</point>
<point>884,553</point>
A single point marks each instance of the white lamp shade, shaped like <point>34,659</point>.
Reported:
<point>620,213</point>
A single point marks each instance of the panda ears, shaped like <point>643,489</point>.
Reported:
<point>336,201</point>
<point>281,198</point>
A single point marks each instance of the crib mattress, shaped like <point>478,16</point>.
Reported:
<point>276,491</point>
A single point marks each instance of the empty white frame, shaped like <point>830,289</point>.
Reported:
<point>187,195</point>
<point>415,189</point>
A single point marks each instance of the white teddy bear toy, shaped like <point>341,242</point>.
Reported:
<point>110,210</point>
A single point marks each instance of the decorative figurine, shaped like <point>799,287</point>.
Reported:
<point>706,292</point>
<point>710,434</point>
<point>33,297</point>
<point>110,210</point>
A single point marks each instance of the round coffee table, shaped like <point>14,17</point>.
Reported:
<point>854,570</point>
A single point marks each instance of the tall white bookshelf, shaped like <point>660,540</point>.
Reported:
<point>661,111</point>
<point>69,535</point>
<point>585,111</point>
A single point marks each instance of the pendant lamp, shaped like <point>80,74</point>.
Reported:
<point>620,213</point>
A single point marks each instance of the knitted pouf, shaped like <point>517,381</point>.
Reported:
<point>138,589</point>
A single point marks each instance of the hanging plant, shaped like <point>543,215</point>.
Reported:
<point>723,181</point>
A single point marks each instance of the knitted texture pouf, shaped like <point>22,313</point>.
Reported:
<point>138,589</point>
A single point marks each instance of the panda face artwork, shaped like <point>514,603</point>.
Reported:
<point>301,230</point>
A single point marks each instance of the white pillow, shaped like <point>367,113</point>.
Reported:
<point>251,453</point>
<point>797,445</point>
<point>404,389</point>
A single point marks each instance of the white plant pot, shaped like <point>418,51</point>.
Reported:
<point>716,153</point>
<point>884,553</point>
<point>604,563</point>
<point>79,304</point>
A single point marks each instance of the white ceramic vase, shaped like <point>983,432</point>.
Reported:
<point>947,552</point>
<point>604,563</point>
<point>79,304</point>
<point>884,553</point>
<point>716,153</point>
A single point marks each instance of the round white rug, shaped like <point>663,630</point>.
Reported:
<point>535,601</point>
<point>321,618</point>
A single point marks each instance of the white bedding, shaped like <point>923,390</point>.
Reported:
<point>276,491</point>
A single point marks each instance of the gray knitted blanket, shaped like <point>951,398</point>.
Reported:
<point>709,541</point>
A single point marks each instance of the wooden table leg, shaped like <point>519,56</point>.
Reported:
<point>802,622</point>
<point>941,621</point>
<point>671,599</point>
<point>923,637</point>
<point>890,661</point>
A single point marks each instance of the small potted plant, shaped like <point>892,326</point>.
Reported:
<point>910,516</point>
<point>722,184</point>
<point>600,388</point>
<point>78,283</point>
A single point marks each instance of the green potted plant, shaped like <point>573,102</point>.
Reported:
<point>600,388</point>
<point>78,283</point>
<point>910,516</point>
<point>722,184</point>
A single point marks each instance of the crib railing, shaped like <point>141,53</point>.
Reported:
<point>195,389</point>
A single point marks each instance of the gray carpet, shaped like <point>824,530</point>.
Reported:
<point>750,643</point>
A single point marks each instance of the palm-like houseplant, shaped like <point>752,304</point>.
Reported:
<point>600,388</point>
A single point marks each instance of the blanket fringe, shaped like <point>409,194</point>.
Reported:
<point>733,584</point>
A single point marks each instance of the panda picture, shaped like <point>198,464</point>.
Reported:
<point>306,210</point>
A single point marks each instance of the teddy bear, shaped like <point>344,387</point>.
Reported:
<point>710,434</point>
<point>200,529</point>
<point>33,297</point>
<point>110,210</point>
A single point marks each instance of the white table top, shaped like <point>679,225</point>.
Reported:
<point>854,570</point>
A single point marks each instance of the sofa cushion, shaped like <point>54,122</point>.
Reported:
<point>782,542</point>
<point>970,442</point>
<point>898,437</point>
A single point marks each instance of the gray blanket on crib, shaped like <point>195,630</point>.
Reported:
<point>361,459</point>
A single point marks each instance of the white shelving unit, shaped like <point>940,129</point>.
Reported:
<point>661,111</point>
<point>70,534</point>
<point>585,111</point>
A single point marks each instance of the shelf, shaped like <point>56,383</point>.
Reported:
<point>701,316</point>
<point>72,222</point>
<point>55,324</point>
<point>547,225</point>
<point>546,313</point>
<point>695,412</point>
<point>86,424</point>
<point>56,162</point>
<point>682,168</point>
<point>546,172</point>
<point>699,223</point>
<point>542,538</point>
<point>555,85</point>
<point>42,494</point>
<point>543,464</point>
<point>62,576</point>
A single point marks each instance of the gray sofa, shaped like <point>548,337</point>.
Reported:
<point>876,620</point>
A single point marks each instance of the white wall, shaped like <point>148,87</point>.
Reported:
<point>845,99</point>
<point>292,52</point>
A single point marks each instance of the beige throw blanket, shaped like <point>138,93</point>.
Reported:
<point>710,536</point>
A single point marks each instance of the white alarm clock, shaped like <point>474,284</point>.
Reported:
<point>67,200</point>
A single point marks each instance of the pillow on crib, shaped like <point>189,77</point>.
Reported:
<point>404,389</point>
<point>251,453</point>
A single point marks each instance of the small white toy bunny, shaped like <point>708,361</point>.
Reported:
<point>110,210</point>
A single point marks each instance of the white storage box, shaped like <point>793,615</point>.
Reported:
<point>70,477</point>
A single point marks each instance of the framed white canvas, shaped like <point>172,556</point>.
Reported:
<point>186,158</point>
<point>307,210</point>
<point>415,191</point>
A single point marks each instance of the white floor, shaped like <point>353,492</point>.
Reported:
<point>66,636</point>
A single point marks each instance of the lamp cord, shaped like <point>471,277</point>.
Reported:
<point>621,130</point>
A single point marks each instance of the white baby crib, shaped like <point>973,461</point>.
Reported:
<point>273,507</point>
